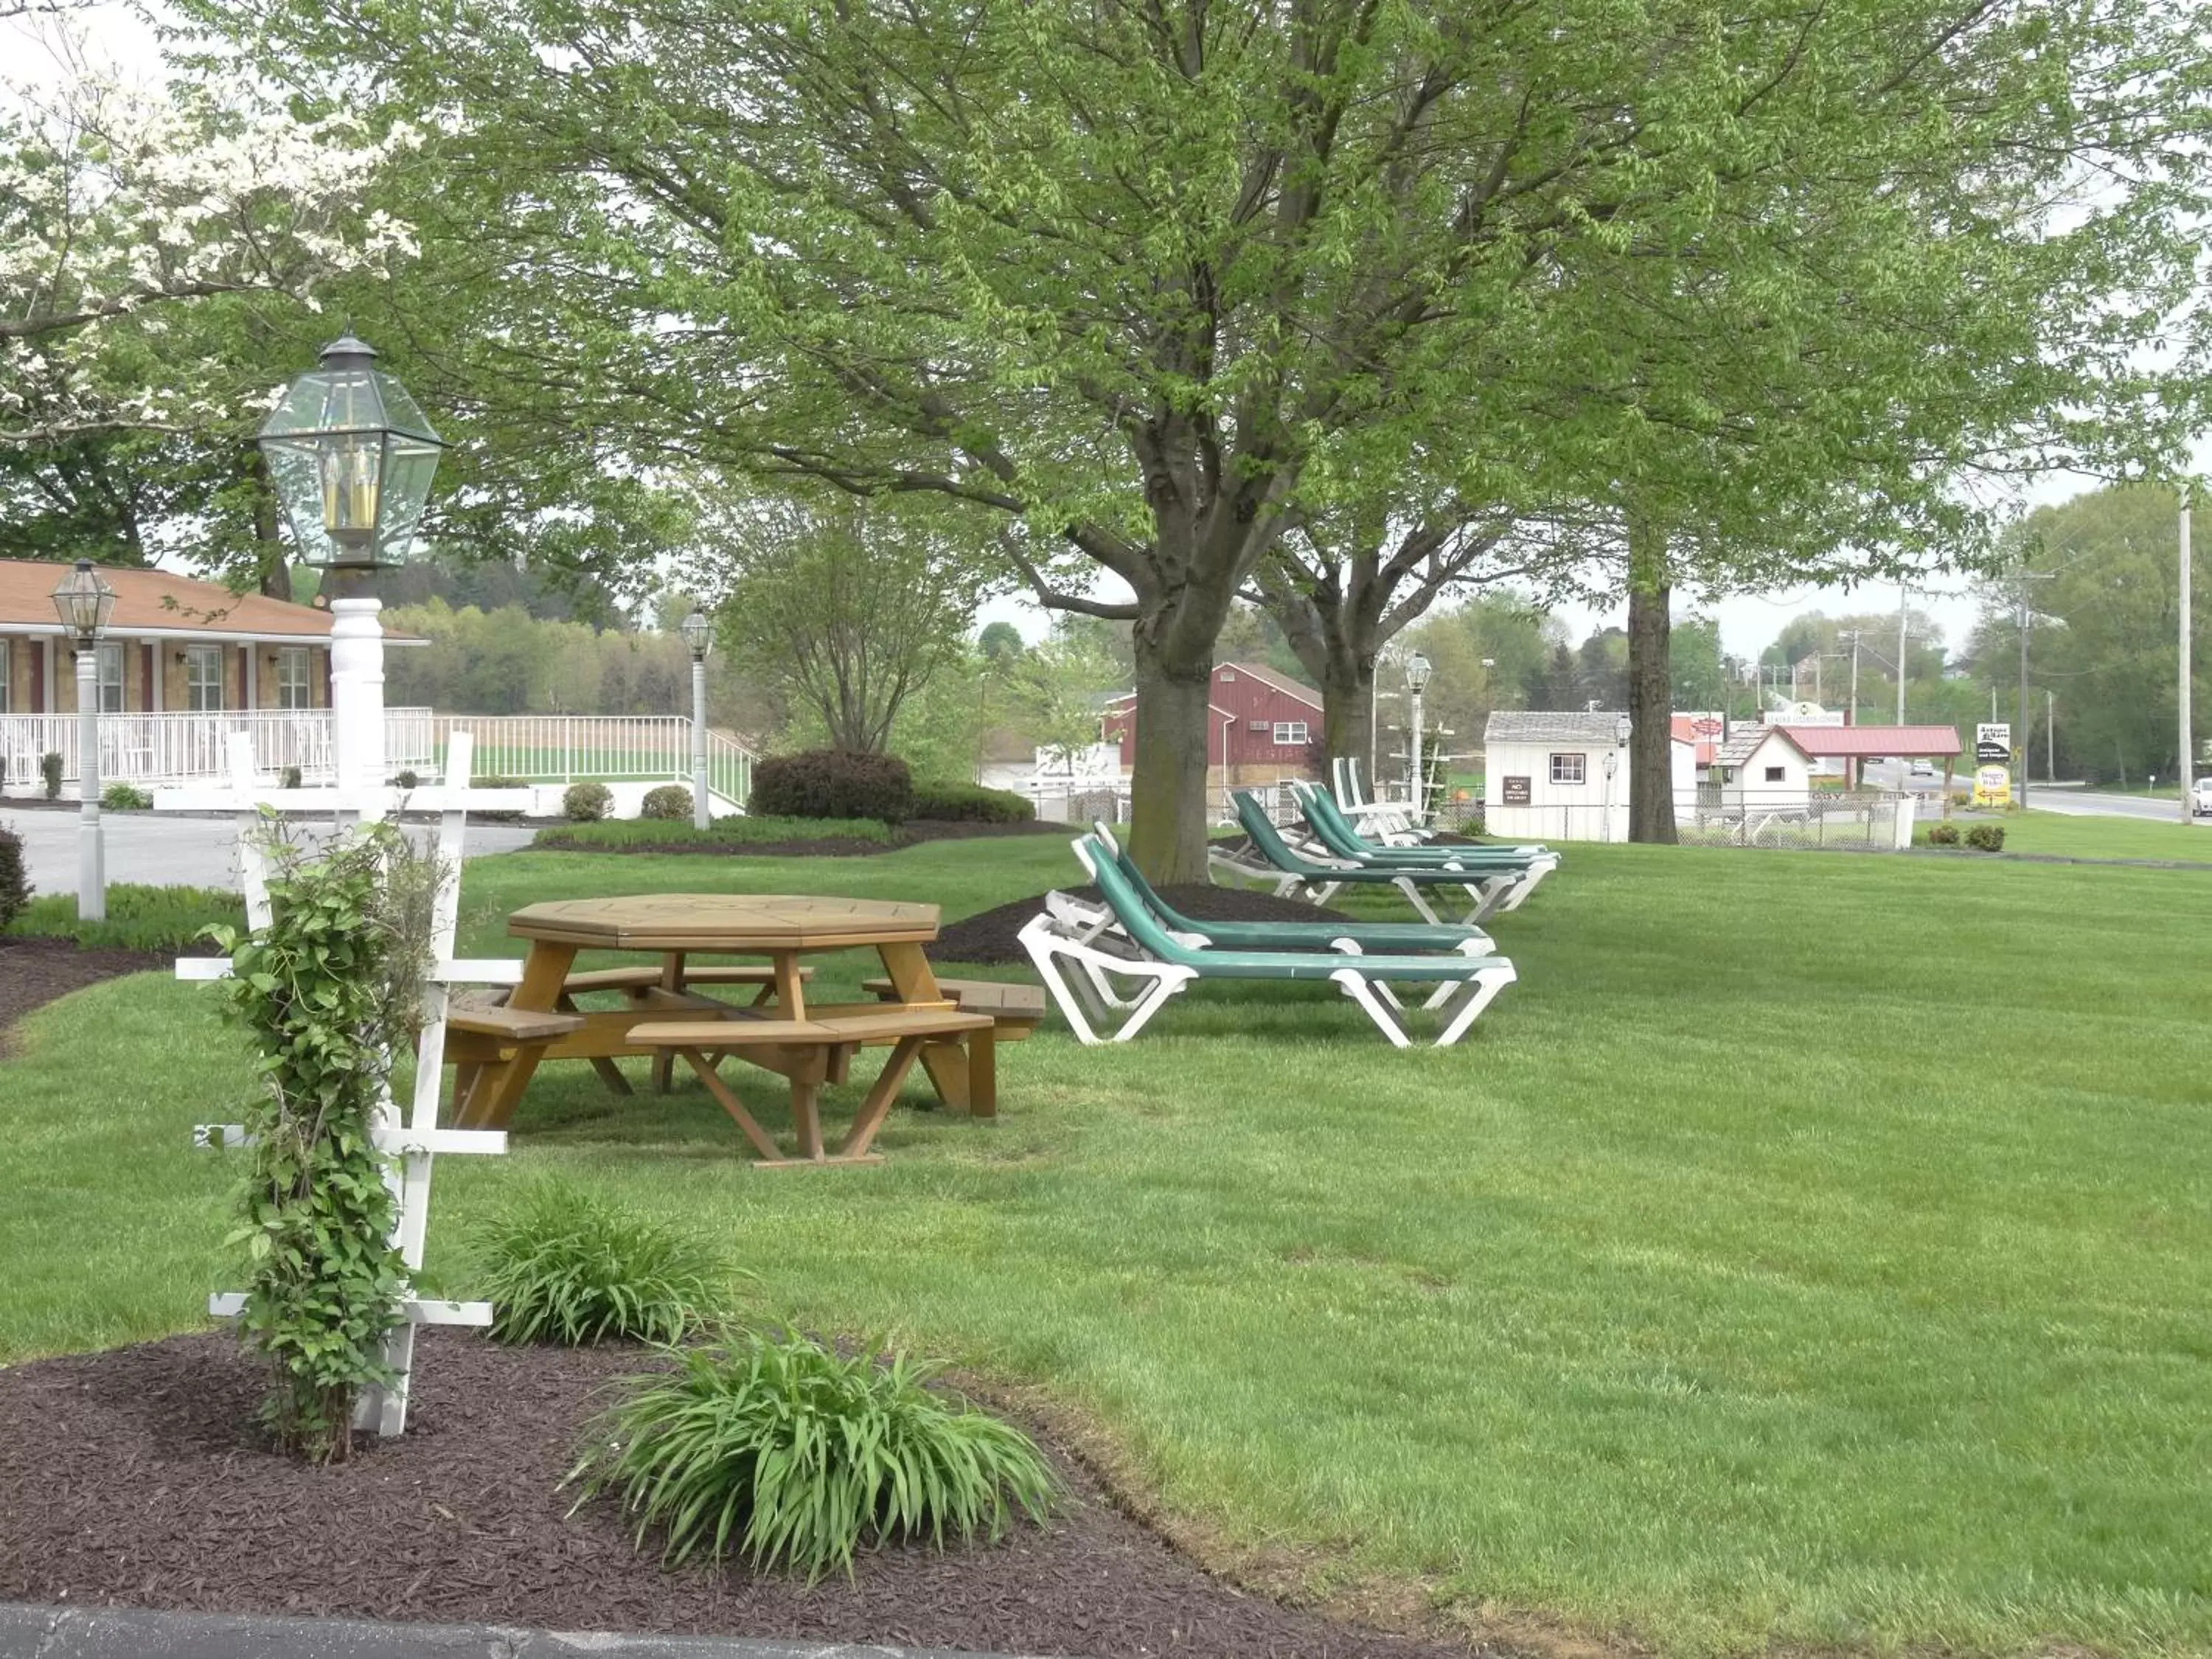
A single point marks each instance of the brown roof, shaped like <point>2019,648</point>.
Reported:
<point>1282,683</point>
<point>155,602</point>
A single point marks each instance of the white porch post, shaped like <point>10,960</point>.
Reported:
<point>358,692</point>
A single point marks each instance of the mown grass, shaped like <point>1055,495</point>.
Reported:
<point>139,917</point>
<point>2083,836</point>
<point>1811,1249</point>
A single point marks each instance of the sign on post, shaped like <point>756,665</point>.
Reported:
<point>1992,745</point>
<point>1516,791</point>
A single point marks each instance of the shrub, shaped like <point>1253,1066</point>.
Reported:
<point>1986,837</point>
<point>15,886</point>
<point>833,783</point>
<point>1943,835</point>
<point>966,803</point>
<point>124,798</point>
<point>500,814</point>
<point>291,778</point>
<point>407,780</point>
<point>50,773</point>
<point>725,834</point>
<point>795,1455</point>
<point>669,800</point>
<point>500,781</point>
<point>583,802</point>
<point>562,1265</point>
<point>139,918</point>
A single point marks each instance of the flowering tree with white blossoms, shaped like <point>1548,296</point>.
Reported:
<point>118,205</point>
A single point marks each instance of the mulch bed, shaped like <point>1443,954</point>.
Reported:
<point>911,834</point>
<point>35,971</point>
<point>136,1476</point>
<point>990,936</point>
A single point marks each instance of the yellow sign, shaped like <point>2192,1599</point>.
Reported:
<point>1993,786</point>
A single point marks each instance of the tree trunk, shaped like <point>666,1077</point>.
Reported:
<point>1167,833</point>
<point>1348,722</point>
<point>1650,695</point>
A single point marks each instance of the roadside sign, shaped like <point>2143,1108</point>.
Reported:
<point>1992,785</point>
<point>1992,743</point>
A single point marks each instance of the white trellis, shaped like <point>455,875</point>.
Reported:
<point>416,1142</point>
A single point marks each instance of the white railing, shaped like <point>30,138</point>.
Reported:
<point>179,747</point>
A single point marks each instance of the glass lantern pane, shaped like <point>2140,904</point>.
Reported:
<point>408,464</point>
<point>401,412</point>
<point>295,473</point>
<point>328,400</point>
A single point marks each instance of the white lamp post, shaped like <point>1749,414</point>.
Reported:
<point>84,603</point>
<point>1418,669</point>
<point>351,456</point>
<point>1622,729</point>
<point>699,634</point>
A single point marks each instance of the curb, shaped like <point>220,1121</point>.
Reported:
<point>36,1632</point>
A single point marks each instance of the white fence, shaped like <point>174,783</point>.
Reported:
<point>184,748</point>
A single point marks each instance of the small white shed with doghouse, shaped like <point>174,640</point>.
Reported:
<point>1763,769</point>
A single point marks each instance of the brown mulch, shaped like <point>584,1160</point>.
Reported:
<point>35,971</point>
<point>911,834</point>
<point>136,1476</point>
<point>990,936</point>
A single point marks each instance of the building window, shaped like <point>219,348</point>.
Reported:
<point>109,668</point>
<point>291,677</point>
<point>1292,732</point>
<point>1774,774</point>
<point>1568,768</point>
<point>204,678</point>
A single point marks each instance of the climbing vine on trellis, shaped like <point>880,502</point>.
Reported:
<point>330,989</point>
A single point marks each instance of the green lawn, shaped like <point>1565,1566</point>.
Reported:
<point>1705,1294</point>
<point>2082,837</point>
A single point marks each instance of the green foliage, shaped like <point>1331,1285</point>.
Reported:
<point>584,803</point>
<point>329,991</point>
<point>795,1457</point>
<point>666,802</point>
<point>139,918</point>
<point>125,798</point>
<point>730,834</point>
<point>833,783</point>
<point>967,803</point>
<point>562,1264</point>
<point>407,780</point>
<point>15,884</point>
<point>50,773</point>
<point>1986,837</point>
<point>290,777</point>
<point>1943,835</point>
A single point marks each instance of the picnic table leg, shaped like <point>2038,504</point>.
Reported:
<point>790,987</point>
<point>805,1105</point>
<point>877,1105</point>
<point>496,1091</point>
<point>610,1073</point>
<point>983,1073</point>
<point>727,1097</point>
<point>664,1063</point>
<point>946,1062</point>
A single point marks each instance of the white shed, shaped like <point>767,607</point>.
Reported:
<point>1762,769</point>
<point>1555,777</point>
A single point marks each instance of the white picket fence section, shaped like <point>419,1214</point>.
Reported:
<point>180,748</point>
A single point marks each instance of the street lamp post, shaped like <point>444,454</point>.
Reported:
<point>351,456</point>
<point>699,634</point>
<point>84,603</point>
<point>1418,669</point>
<point>1623,729</point>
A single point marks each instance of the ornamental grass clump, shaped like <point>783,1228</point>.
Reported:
<point>794,1456</point>
<point>561,1265</point>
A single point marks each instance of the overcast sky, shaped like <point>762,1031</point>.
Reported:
<point>117,35</point>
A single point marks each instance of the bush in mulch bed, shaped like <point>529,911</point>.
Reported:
<point>772,837</point>
<point>136,1476</point>
<point>992,936</point>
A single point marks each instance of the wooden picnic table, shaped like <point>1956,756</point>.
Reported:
<point>781,927</point>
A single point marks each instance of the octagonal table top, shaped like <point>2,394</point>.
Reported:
<point>725,921</point>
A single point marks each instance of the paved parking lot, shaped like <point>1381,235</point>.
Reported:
<point>164,850</point>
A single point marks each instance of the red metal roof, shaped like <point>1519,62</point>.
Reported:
<point>1876,741</point>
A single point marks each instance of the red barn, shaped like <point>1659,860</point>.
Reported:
<point>1264,726</point>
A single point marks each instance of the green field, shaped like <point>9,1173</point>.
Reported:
<point>2070,835</point>
<point>1810,1251</point>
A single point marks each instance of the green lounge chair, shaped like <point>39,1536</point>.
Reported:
<point>1492,884</point>
<point>1167,964</point>
<point>1333,834</point>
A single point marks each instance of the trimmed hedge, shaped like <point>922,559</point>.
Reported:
<point>1943,835</point>
<point>1986,837</point>
<point>582,803</point>
<point>966,803</point>
<point>15,886</point>
<point>669,800</point>
<point>724,834</point>
<point>830,783</point>
<point>125,798</point>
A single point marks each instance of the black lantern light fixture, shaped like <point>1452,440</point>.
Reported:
<point>351,456</point>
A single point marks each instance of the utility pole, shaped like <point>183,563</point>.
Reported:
<point>2019,789</point>
<point>1903,594</point>
<point>2050,737</point>
<point>2188,758</point>
<point>1851,715</point>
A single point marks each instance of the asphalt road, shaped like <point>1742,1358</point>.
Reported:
<point>2083,803</point>
<point>163,850</point>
